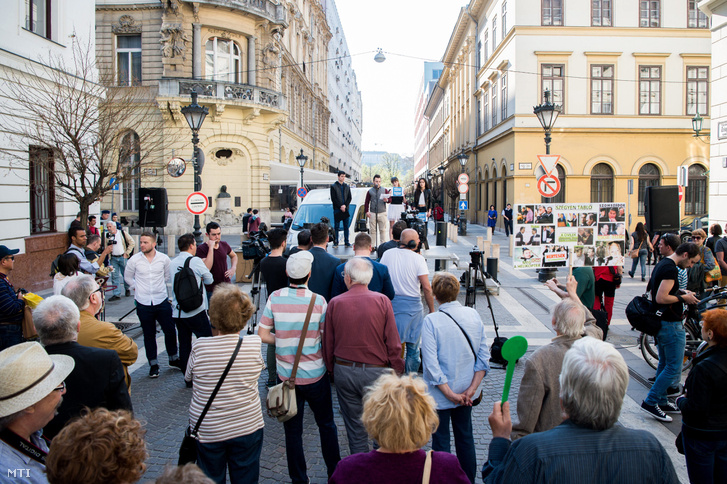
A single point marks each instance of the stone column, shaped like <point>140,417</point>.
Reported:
<point>251,69</point>
<point>197,50</point>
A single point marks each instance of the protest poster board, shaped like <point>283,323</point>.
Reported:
<point>569,235</point>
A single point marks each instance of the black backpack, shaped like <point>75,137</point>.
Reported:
<point>189,295</point>
<point>54,264</point>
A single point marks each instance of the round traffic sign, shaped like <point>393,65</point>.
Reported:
<point>302,192</point>
<point>463,188</point>
<point>548,185</point>
<point>463,178</point>
<point>197,203</point>
<point>681,193</point>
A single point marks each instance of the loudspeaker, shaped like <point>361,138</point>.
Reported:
<point>153,210</point>
<point>661,208</point>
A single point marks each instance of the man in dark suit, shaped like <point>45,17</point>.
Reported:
<point>97,380</point>
<point>380,280</point>
<point>324,264</point>
<point>340,199</point>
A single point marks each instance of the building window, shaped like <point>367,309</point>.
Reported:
<point>554,81</point>
<point>486,113</point>
<point>38,17</point>
<point>223,61</point>
<point>129,158</point>
<point>601,183</point>
<point>560,196</point>
<point>649,90</point>
<point>696,19</point>
<point>650,13</point>
<point>552,12</point>
<point>602,89</point>
<point>478,56</point>
<point>494,103</point>
<point>494,33</point>
<point>42,191</point>
<point>697,90</point>
<point>649,176</point>
<point>128,60</point>
<point>601,13</point>
<point>479,116</point>
<point>486,49</point>
<point>503,98</point>
<point>504,19</point>
<point>695,194</point>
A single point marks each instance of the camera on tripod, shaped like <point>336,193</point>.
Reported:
<point>256,247</point>
<point>413,222</point>
<point>476,256</point>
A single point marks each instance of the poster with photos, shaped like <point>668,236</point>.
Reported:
<point>569,235</point>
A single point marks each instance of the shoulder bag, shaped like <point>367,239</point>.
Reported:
<point>634,254</point>
<point>281,401</point>
<point>188,449</point>
<point>427,465</point>
<point>477,400</point>
<point>644,315</point>
<point>714,274</point>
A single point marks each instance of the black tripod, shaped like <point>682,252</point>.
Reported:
<point>257,280</point>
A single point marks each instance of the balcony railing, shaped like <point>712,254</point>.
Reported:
<point>222,90</point>
<point>265,8</point>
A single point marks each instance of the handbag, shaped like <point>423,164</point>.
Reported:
<point>280,401</point>
<point>617,278</point>
<point>31,301</point>
<point>712,275</point>
<point>634,254</point>
<point>188,449</point>
<point>644,315</point>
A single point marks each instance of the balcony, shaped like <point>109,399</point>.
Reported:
<point>263,8</point>
<point>244,94</point>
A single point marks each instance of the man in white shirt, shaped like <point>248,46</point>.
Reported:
<point>122,245</point>
<point>195,320</point>
<point>147,272</point>
<point>409,273</point>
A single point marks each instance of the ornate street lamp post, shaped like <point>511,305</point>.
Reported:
<point>301,159</point>
<point>463,158</point>
<point>195,115</point>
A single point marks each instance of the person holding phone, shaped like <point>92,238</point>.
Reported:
<point>214,253</point>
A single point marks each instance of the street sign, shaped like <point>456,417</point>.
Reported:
<point>548,186</point>
<point>683,176</point>
<point>681,193</point>
<point>463,178</point>
<point>463,204</point>
<point>114,186</point>
<point>302,192</point>
<point>463,188</point>
<point>197,203</point>
<point>548,162</point>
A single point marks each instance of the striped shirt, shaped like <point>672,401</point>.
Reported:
<point>285,311</point>
<point>236,409</point>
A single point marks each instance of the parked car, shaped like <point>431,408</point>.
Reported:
<point>691,223</point>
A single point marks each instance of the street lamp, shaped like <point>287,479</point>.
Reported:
<point>463,158</point>
<point>379,57</point>
<point>697,124</point>
<point>301,159</point>
<point>547,113</point>
<point>195,115</point>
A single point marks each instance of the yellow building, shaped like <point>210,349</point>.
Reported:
<point>258,66</point>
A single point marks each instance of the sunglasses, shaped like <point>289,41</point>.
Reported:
<point>61,387</point>
<point>477,400</point>
<point>697,237</point>
<point>11,257</point>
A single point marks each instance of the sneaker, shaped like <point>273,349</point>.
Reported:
<point>176,364</point>
<point>128,293</point>
<point>348,245</point>
<point>643,279</point>
<point>335,246</point>
<point>669,407</point>
<point>631,274</point>
<point>675,391</point>
<point>655,412</point>
<point>154,371</point>
<point>114,298</point>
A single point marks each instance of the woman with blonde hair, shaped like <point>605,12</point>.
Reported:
<point>230,436</point>
<point>401,416</point>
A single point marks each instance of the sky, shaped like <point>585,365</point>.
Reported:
<point>403,29</point>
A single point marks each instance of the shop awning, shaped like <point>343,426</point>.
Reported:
<point>281,174</point>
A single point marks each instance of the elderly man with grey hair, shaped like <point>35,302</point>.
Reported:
<point>360,343</point>
<point>589,445</point>
<point>85,292</point>
<point>122,245</point>
<point>97,380</point>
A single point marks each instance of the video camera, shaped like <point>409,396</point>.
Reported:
<point>110,238</point>
<point>324,220</point>
<point>412,222</point>
<point>476,256</point>
<point>256,247</point>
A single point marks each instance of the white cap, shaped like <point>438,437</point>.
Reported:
<point>299,264</point>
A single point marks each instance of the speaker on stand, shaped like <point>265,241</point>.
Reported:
<point>153,209</point>
<point>661,209</point>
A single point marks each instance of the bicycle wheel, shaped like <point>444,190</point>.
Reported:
<point>649,351</point>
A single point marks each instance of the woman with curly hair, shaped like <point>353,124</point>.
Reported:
<point>401,416</point>
<point>100,447</point>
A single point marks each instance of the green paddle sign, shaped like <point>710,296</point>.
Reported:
<point>513,349</point>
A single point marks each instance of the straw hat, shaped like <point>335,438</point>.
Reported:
<point>28,374</point>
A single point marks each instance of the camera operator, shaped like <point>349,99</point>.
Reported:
<point>214,253</point>
<point>122,245</point>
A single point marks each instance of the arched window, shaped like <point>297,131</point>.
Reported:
<point>560,196</point>
<point>601,183</point>
<point>223,61</point>
<point>129,158</point>
<point>504,188</point>
<point>695,194</point>
<point>494,189</point>
<point>649,176</point>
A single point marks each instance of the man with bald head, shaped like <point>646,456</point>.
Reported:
<point>409,274</point>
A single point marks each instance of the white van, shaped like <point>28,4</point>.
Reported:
<point>317,204</point>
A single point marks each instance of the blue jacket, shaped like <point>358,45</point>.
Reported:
<point>380,282</point>
<point>321,278</point>
<point>11,308</point>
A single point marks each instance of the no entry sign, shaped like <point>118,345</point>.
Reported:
<point>197,203</point>
<point>548,185</point>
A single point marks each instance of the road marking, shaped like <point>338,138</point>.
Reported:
<point>528,322</point>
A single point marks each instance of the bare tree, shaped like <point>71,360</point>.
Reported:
<point>82,124</point>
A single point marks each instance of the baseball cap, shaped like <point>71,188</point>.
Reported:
<point>299,264</point>
<point>4,251</point>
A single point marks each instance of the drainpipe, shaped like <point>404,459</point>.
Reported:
<point>477,191</point>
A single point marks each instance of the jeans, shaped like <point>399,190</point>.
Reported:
<point>336,223</point>
<point>706,460</point>
<point>117,276</point>
<point>413,358</point>
<point>10,335</point>
<point>318,396</point>
<point>148,317</point>
<point>241,456</point>
<point>641,259</point>
<point>464,442</point>
<point>199,324</point>
<point>671,340</point>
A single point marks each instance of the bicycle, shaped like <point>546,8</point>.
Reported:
<point>693,328</point>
